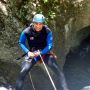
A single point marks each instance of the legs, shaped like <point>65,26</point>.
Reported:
<point>25,68</point>
<point>51,62</point>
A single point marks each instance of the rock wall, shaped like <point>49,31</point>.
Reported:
<point>12,22</point>
<point>78,28</point>
<point>14,15</point>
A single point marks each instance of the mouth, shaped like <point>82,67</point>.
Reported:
<point>38,29</point>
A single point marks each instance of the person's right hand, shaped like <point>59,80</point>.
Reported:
<point>31,54</point>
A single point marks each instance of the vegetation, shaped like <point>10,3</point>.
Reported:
<point>15,14</point>
<point>52,9</point>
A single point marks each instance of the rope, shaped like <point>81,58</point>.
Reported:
<point>48,73</point>
<point>32,81</point>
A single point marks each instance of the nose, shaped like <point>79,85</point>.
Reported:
<point>38,25</point>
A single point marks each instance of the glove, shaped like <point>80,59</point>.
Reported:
<point>31,54</point>
<point>36,53</point>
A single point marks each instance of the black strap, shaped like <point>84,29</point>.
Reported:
<point>21,56</point>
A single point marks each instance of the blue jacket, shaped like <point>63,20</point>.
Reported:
<point>42,40</point>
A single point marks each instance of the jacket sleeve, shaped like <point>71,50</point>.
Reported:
<point>22,41</point>
<point>49,43</point>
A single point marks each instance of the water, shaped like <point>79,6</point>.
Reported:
<point>77,67</point>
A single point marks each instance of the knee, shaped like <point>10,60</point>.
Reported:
<point>23,73</point>
<point>51,57</point>
<point>52,60</point>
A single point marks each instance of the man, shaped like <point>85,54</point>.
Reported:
<point>40,42</point>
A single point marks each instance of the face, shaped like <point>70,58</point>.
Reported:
<point>38,26</point>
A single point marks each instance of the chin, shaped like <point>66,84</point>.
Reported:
<point>38,30</point>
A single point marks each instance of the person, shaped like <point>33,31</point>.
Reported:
<point>40,42</point>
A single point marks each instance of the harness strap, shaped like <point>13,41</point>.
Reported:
<point>49,53</point>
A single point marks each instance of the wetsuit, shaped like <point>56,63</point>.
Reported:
<point>42,41</point>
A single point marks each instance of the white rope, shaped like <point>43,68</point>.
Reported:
<point>32,81</point>
<point>48,73</point>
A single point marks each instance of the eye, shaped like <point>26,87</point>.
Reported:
<point>36,23</point>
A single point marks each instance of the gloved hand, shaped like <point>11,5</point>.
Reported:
<point>36,53</point>
<point>31,54</point>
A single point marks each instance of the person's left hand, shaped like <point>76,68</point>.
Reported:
<point>36,53</point>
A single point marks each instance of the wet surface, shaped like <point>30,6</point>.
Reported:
<point>77,67</point>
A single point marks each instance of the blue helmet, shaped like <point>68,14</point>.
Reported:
<point>38,18</point>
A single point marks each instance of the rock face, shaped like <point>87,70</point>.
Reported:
<point>71,35</point>
<point>14,16</point>
<point>77,28</point>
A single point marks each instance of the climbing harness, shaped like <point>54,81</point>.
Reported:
<point>52,82</point>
